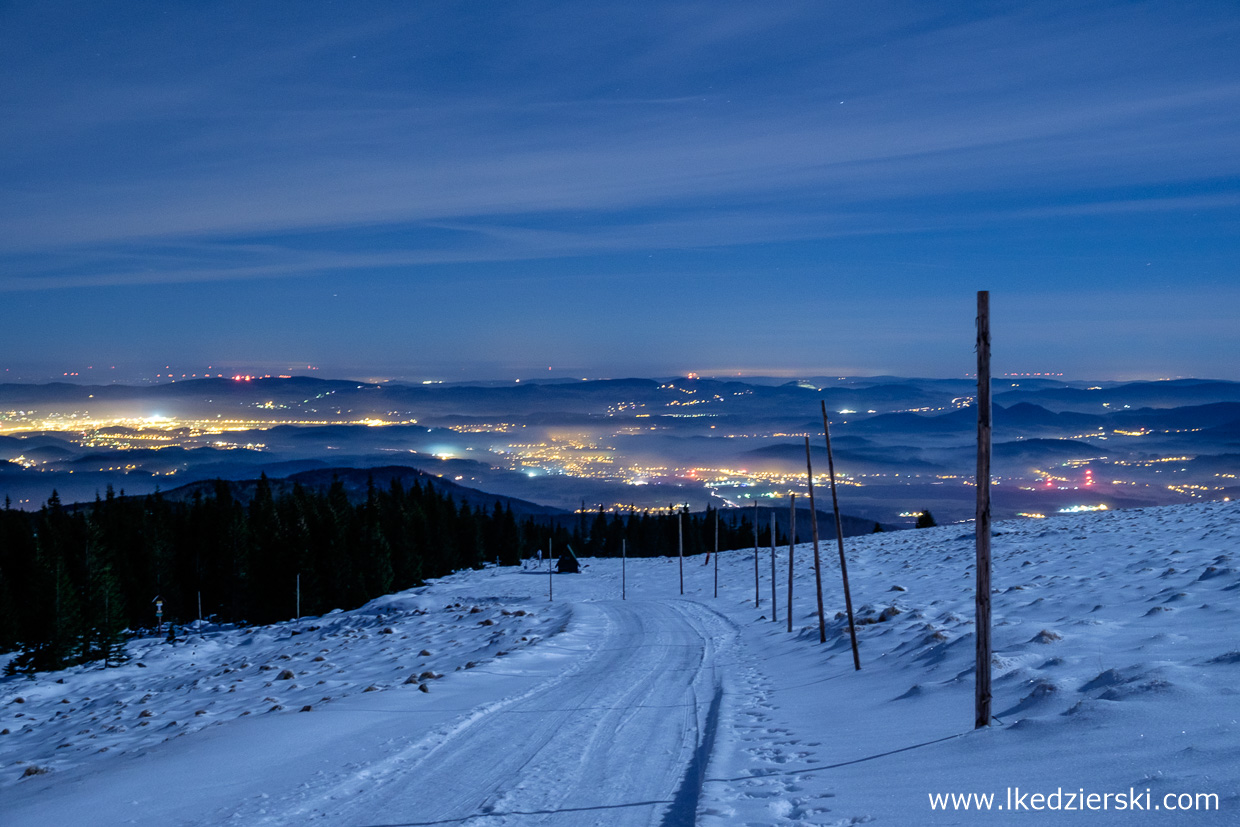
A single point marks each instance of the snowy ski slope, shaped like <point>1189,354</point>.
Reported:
<point>475,700</point>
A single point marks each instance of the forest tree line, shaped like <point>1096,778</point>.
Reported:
<point>75,580</point>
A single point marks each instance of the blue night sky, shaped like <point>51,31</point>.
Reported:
<point>483,190</point>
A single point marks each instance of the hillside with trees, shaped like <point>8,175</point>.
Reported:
<point>75,581</point>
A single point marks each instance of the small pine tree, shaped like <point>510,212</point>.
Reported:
<point>102,606</point>
<point>925,519</point>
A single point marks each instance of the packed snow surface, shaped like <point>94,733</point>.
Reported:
<point>476,700</point>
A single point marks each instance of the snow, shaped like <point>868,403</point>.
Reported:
<point>1115,671</point>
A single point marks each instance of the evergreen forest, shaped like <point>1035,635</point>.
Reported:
<point>75,581</point>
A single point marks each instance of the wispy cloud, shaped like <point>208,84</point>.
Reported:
<point>330,176</point>
<point>228,142</point>
<point>200,154</point>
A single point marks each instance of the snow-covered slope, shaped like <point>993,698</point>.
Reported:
<point>1116,667</point>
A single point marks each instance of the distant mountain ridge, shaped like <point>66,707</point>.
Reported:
<point>356,481</point>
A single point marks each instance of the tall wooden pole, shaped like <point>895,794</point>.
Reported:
<point>982,522</point>
<point>757,594</point>
<point>813,518</point>
<point>792,538</point>
<point>680,545</point>
<point>774,582</point>
<point>839,539</point>
<point>624,559</point>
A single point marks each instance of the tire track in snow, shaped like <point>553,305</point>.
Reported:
<point>615,742</point>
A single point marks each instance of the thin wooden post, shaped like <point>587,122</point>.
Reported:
<point>839,539</point>
<point>757,594</point>
<point>774,581</point>
<point>680,545</point>
<point>982,521</point>
<point>813,518</point>
<point>792,538</point>
<point>716,552</point>
<point>550,578</point>
<point>624,558</point>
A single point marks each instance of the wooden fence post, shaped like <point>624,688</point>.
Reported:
<point>813,517</point>
<point>757,594</point>
<point>792,538</point>
<point>774,580</point>
<point>982,522</point>
<point>839,539</point>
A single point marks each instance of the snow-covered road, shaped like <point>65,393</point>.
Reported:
<point>613,739</point>
<point>609,722</point>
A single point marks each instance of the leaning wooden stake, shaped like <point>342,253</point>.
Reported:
<point>982,522</point>
<point>813,518</point>
<point>792,538</point>
<point>774,582</point>
<point>757,595</point>
<point>839,539</point>
<point>680,544</point>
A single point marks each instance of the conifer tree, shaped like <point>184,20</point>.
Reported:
<point>274,554</point>
<point>376,553</point>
